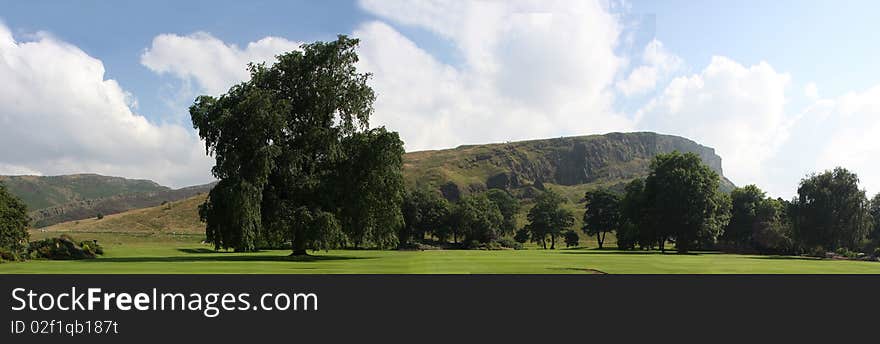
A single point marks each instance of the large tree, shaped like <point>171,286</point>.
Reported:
<point>285,141</point>
<point>745,202</point>
<point>549,219</point>
<point>832,211</point>
<point>635,228</point>
<point>684,201</point>
<point>14,221</point>
<point>602,214</point>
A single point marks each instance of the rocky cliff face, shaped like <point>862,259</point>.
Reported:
<point>607,160</point>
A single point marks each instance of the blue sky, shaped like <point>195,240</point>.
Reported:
<point>779,88</point>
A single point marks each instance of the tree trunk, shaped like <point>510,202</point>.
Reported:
<point>552,242</point>
<point>298,245</point>
<point>600,237</point>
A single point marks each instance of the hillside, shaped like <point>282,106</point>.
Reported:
<point>571,165</point>
<point>47,191</point>
<point>56,199</point>
<point>179,217</point>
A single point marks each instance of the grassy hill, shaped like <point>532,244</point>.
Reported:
<point>569,165</point>
<point>56,199</point>
<point>178,217</point>
<point>42,192</point>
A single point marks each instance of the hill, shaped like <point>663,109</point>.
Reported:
<point>179,217</point>
<point>570,165</point>
<point>56,199</point>
<point>47,191</point>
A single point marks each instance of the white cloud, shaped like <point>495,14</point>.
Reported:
<point>58,114</point>
<point>211,63</point>
<point>657,63</point>
<point>811,90</point>
<point>528,70</point>
<point>738,110</point>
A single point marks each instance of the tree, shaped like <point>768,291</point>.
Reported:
<point>548,219</point>
<point>635,227</point>
<point>294,141</point>
<point>602,214</point>
<point>14,221</point>
<point>832,211</point>
<point>875,217</point>
<point>508,206</point>
<point>571,238</point>
<point>522,235</point>
<point>744,206</point>
<point>425,211</point>
<point>370,186</point>
<point>684,202</point>
<point>478,218</point>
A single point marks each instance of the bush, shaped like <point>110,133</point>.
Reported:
<point>817,251</point>
<point>571,238</point>
<point>877,252</point>
<point>64,248</point>
<point>510,243</point>
<point>845,252</point>
<point>627,236</point>
<point>100,216</point>
<point>9,255</point>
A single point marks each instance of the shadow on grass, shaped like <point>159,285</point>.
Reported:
<point>584,270</point>
<point>787,258</point>
<point>635,252</point>
<point>223,258</point>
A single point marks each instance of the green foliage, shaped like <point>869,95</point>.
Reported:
<point>522,235</point>
<point>63,248</point>
<point>478,218</point>
<point>370,186</point>
<point>684,202</point>
<point>426,212</point>
<point>831,211</point>
<point>293,141</point>
<point>548,219</point>
<point>635,228</point>
<point>508,206</point>
<point>874,209</point>
<point>571,238</point>
<point>602,214</point>
<point>13,221</point>
<point>100,216</point>
<point>510,243</point>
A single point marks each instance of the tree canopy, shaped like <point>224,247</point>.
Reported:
<point>684,203</point>
<point>602,214</point>
<point>548,219</point>
<point>293,141</point>
<point>14,221</point>
<point>832,212</point>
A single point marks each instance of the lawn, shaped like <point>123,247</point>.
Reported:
<point>186,258</point>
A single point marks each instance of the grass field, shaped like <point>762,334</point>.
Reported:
<point>179,255</point>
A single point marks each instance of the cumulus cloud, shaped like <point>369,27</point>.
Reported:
<point>811,90</point>
<point>527,70</point>
<point>59,114</point>
<point>739,110</point>
<point>657,63</point>
<point>211,63</point>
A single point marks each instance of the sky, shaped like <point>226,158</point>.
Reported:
<point>779,89</point>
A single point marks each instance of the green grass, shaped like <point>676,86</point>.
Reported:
<point>179,257</point>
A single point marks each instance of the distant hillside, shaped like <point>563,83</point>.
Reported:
<point>179,217</point>
<point>58,199</point>
<point>42,192</point>
<point>570,165</point>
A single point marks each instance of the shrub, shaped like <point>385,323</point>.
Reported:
<point>7,254</point>
<point>817,251</point>
<point>877,252</point>
<point>100,216</point>
<point>510,243</point>
<point>571,238</point>
<point>63,248</point>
